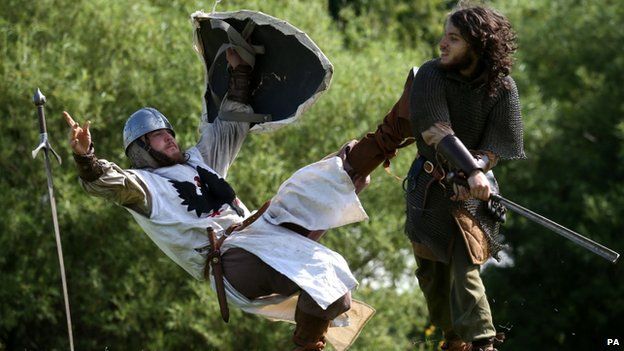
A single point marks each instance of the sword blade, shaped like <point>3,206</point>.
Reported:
<point>59,247</point>
<point>569,234</point>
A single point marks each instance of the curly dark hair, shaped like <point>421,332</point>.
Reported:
<point>490,35</point>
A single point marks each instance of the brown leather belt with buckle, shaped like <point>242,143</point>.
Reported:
<point>213,260</point>
<point>437,175</point>
<point>435,171</point>
<point>428,167</point>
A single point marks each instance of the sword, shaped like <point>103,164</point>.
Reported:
<point>567,233</point>
<point>40,100</point>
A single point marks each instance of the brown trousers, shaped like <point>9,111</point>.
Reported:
<point>253,278</point>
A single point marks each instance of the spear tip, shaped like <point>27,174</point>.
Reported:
<point>39,99</point>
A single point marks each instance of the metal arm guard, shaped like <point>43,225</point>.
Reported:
<point>457,154</point>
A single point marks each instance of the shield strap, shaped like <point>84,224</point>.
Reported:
<point>247,52</point>
<point>244,117</point>
<point>238,41</point>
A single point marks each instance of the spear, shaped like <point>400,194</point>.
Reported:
<point>40,100</point>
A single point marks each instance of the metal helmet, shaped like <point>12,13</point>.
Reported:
<point>143,121</point>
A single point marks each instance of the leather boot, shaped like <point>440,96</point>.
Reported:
<point>310,332</point>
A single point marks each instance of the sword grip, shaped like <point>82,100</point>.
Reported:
<point>39,100</point>
<point>454,177</point>
<point>42,122</point>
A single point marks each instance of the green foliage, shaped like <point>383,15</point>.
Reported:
<point>102,60</point>
<point>411,24</point>
<point>557,294</point>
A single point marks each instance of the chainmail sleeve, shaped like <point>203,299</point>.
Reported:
<point>504,133</point>
<point>428,103</point>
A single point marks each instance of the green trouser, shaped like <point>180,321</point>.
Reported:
<point>456,296</point>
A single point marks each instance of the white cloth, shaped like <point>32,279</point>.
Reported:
<point>221,141</point>
<point>322,195</point>
<point>342,332</point>
<point>177,231</point>
<point>318,196</point>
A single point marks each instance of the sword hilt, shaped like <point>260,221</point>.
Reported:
<point>454,177</point>
<point>494,206</point>
<point>39,100</point>
<point>567,233</point>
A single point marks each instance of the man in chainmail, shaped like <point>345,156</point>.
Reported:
<point>462,110</point>
<point>266,261</point>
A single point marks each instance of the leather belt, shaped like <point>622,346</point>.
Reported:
<point>437,174</point>
<point>296,228</point>
<point>435,170</point>
<point>213,260</point>
<point>247,222</point>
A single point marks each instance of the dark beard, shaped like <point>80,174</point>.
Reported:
<point>464,62</point>
<point>164,160</point>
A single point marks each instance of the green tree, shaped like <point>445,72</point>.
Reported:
<point>412,24</point>
<point>101,61</point>
<point>557,295</point>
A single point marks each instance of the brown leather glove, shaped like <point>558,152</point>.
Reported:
<point>239,85</point>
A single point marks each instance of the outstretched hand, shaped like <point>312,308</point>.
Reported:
<point>79,137</point>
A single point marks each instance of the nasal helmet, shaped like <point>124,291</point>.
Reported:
<point>141,122</point>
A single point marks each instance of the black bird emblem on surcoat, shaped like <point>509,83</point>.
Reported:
<point>215,192</point>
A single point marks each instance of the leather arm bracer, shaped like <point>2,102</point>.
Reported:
<point>89,168</point>
<point>457,155</point>
<point>239,84</point>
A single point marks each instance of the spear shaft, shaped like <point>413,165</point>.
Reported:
<point>39,100</point>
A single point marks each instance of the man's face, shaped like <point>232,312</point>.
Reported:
<point>455,52</point>
<point>162,141</point>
